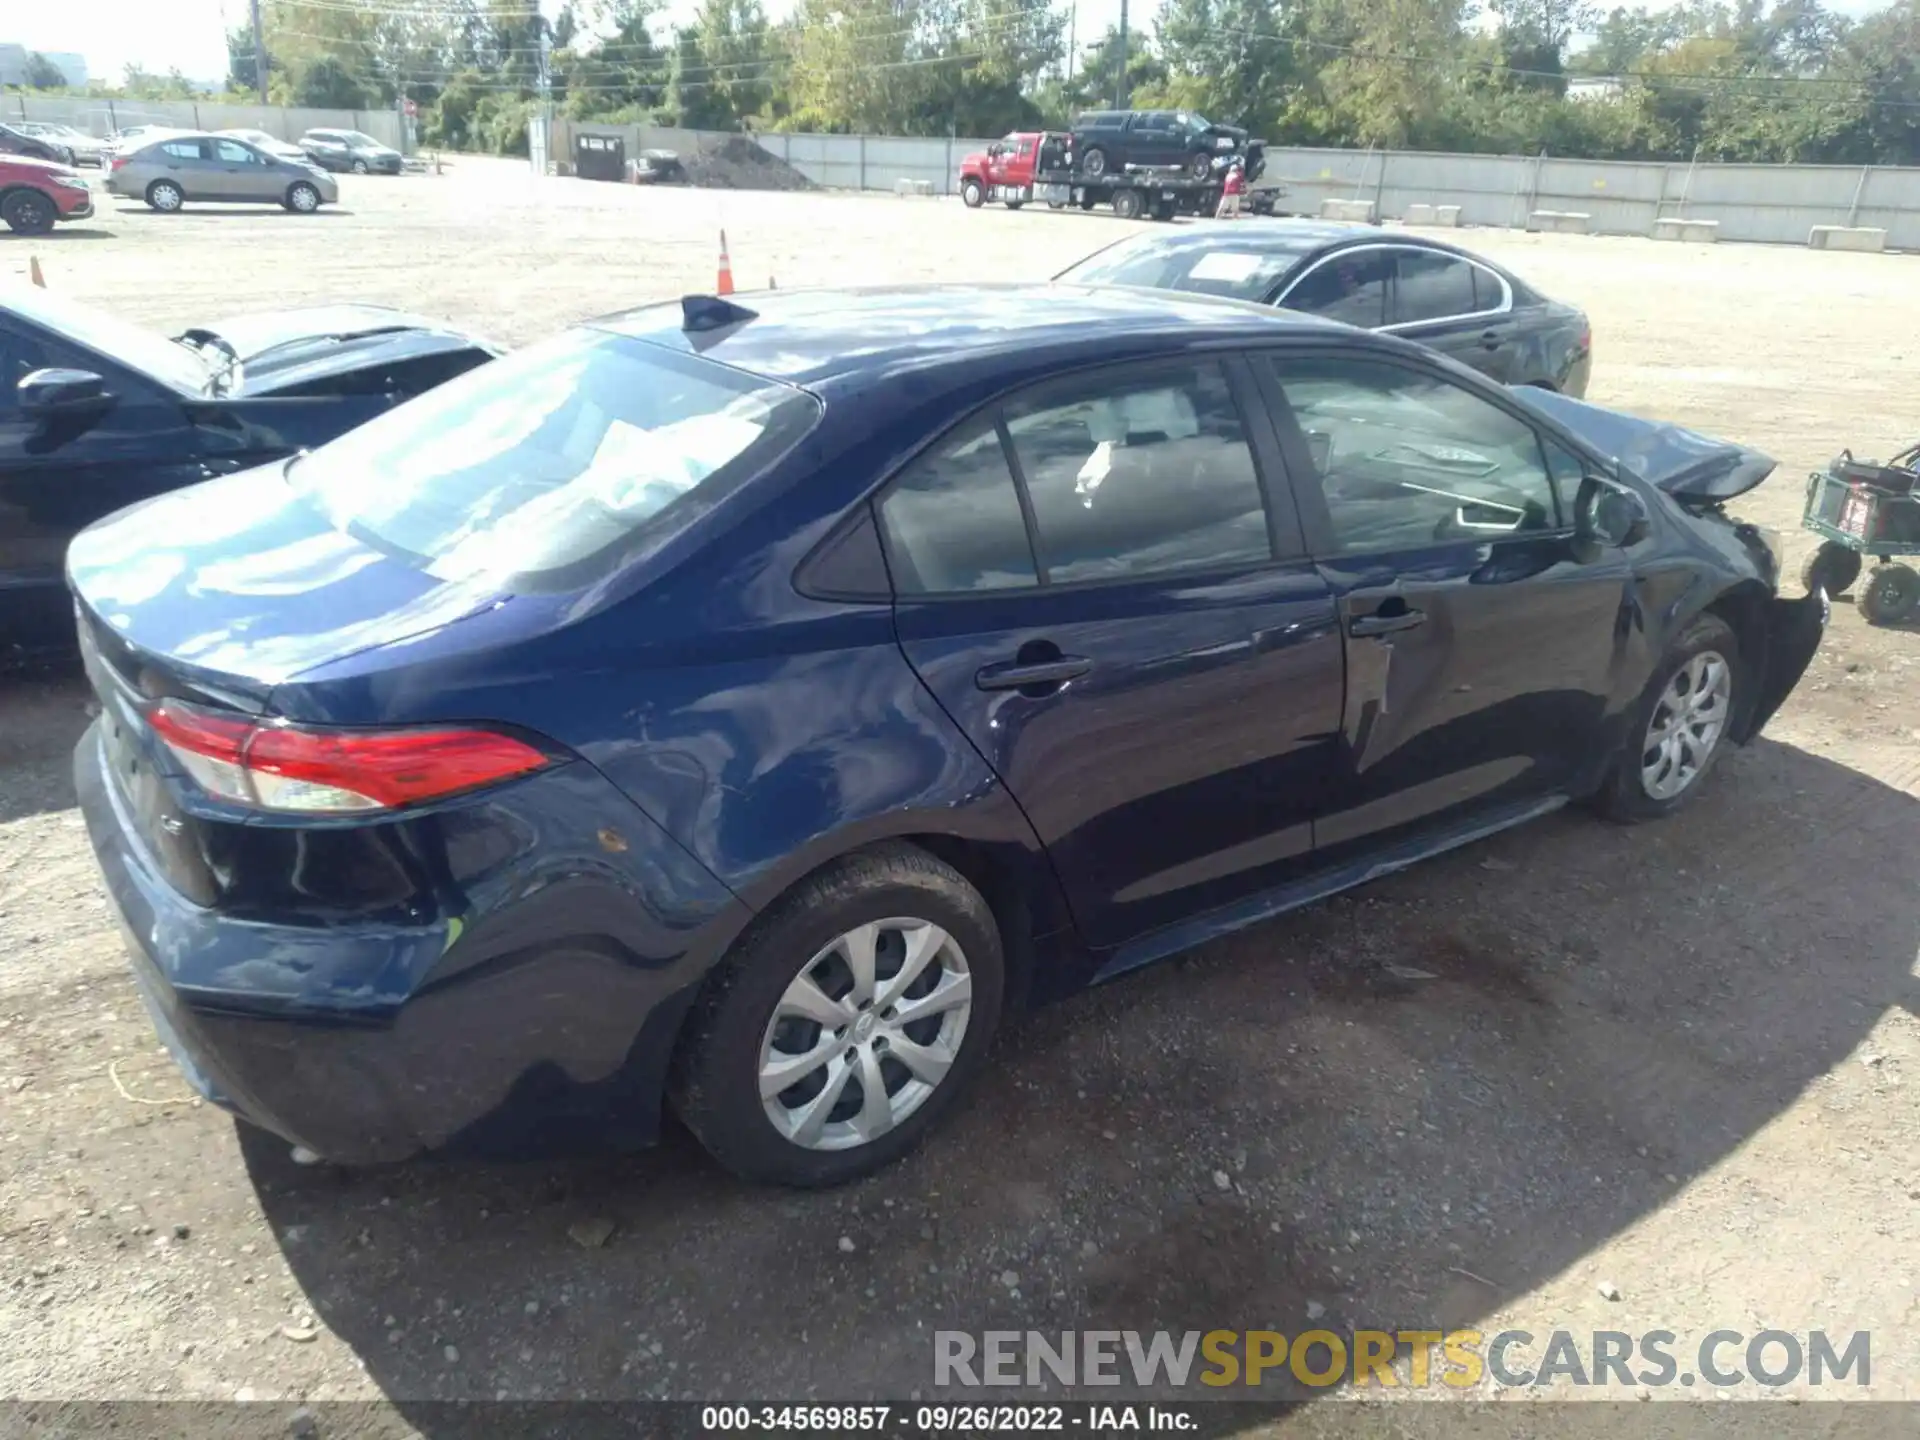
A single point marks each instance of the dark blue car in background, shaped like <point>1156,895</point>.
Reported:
<point>744,703</point>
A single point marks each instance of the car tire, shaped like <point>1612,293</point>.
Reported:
<point>1013,204</point>
<point>972,195</point>
<point>165,196</point>
<point>1832,568</point>
<point>736,1036</point>
<point>28,212</point>
<point>302,198</point>
<point>1890,594</point>
<point>359,167</point>
<point>1093,164</point>
<point>1200,165</point>
<point>1127,204</point>
<point>1696,690</point>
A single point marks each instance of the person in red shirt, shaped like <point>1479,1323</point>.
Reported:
<point>1230,193</point>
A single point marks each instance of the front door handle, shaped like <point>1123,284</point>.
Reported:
<point>1364,625</point>
<point>1017,675</point>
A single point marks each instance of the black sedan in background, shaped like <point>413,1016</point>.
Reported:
<point>34,147</point>
<point>1445,298</point>
<point>96,413</point>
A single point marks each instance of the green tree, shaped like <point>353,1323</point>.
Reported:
<point>1229,60</point>
<point>43,74</point>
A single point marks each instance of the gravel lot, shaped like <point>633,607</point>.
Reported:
<point>1667,1061</point>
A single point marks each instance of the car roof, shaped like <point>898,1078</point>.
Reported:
<point>813,337</point>
<point>1303,239</point>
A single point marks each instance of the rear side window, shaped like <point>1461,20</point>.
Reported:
<point>953,521</point>
<point>1350,287</point>
<point>1431,286</point>
<point>185,149</point>
<point>1138,473</point>
<point>551,458</point>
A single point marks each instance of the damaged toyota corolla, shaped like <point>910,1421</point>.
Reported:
<point>738,705</point>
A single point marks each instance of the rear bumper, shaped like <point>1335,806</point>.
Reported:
<point>543,1027</point>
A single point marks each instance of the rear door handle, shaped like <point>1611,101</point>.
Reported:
<point>1364,625</point>
<point>1014,675</point>
<point>1493,339</point>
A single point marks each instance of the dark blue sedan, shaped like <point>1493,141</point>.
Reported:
<point>743,704</point>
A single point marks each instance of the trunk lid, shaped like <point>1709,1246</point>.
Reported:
<point>1685,464</point>
<point>224,590</point>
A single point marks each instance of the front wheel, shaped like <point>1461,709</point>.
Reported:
<point>847,1020</point>
<point>165,196</point>
<point>1832,568</point>
<point>1679,726</point>
<point>359,167</point>
<point>302,198</point>
<point>971,194</point>
<point>28,212</point>
<point>1890,594</point>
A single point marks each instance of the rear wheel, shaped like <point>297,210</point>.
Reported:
<point>165,196</point>
<point>1200,165</point>
<point>972,195</point>
<point>1013,204</point>
<point>302,198</point>
<point>1093,162</point>
<point>28,212</point>
<point>845,1022</point>
<point>1163,209</point>
<point>1832,568</point>
<point>1679,726</point>
<point>1889,595</point>
<point>1127,204</point>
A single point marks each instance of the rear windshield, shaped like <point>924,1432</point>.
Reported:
<point>1203,265</point>
<point>552,458</point>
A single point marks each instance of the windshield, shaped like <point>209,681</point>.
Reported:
<point>1205,264</point>
<point>359,141</point>
<point>550,457</point>
<point>153,355</point>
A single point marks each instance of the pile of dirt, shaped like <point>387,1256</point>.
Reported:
<point>738,163</point>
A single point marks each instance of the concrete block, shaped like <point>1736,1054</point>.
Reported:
<point>1361,210</point>
<point>1560,222</point>
<point>1846,237</point>
<point>1447,215</point>
<point>913,187</point>
<point>1694,232</point>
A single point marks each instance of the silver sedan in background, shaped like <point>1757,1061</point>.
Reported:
<point>170,171</point>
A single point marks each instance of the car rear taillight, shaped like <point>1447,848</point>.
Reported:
<point>119,161</point>
<point>276,766</point>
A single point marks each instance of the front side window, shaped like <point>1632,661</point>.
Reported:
<point>1350,287</point>
<point>551,457</point>
<point>1138,473</point>
<point>1428,285</point>
<point>1404,459</point>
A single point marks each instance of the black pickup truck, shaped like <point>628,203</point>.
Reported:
<point>1108,141</point>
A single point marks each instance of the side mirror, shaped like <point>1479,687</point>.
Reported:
<point>45,394</point>
<point>1610,514</point>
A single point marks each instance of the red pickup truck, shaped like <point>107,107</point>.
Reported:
<point>1003,171</point>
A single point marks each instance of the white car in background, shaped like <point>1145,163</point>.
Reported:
<point>261,140</point>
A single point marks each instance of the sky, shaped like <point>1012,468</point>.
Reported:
<point>190,34</point>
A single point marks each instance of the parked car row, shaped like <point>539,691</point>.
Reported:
<point>737,705</point>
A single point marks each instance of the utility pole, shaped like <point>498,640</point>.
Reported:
<point>1073,27</point>
<point>259,53</point>
<point>1120,70</point>
<point>545,81</point>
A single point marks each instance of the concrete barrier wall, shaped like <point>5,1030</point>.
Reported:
<point>1778,204</point>
<point>102,117</point>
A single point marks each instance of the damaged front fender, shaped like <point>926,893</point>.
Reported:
<point>1794,628</point>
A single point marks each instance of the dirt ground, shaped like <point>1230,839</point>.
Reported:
<point>1670,1062</point>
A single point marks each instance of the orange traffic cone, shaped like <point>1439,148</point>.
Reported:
<point>33,271</point>
<point>723,285</point>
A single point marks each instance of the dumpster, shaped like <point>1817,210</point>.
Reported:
<point>600,157</point>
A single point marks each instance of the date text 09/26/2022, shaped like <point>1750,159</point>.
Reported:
<point>941,1419</point>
